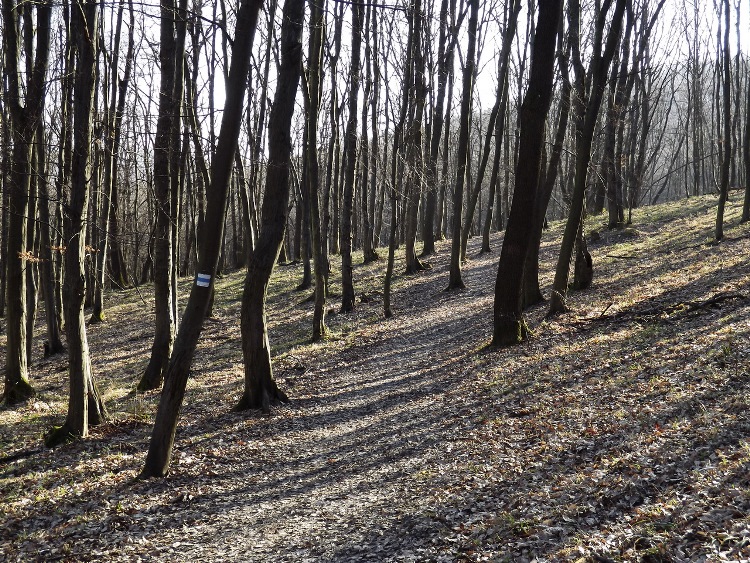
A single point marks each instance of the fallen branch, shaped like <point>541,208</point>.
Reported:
<point>654,312</point>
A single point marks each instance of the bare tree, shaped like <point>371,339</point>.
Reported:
<point>261,391</point>
<point>85,405</point>
<point>588,92</point>
<point>25,112</point>
<point>455,281</point>
<point>171,53</point>
<point>165,426</point>
<point>726,139</point>
<point>350,163</point>
<point>509,325</point>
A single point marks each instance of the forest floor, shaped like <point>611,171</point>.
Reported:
<point>619,431</point>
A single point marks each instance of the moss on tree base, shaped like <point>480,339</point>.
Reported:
<point>97,317</point>
<point>509,331</point>
<point>60,435</point>
<point>18,392</point>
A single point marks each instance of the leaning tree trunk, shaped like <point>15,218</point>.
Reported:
<point>586,118</point>
<point>261,390</point>
<point>532,293</point>
<point>85,405</point>
<point>509,324</point>
<point>165,426</point>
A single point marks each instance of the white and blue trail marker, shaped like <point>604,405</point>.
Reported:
<point>203,280</point>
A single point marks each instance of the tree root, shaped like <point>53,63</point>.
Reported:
<point>60,435</point>
<point>263,401</point>
<point>19,392</point>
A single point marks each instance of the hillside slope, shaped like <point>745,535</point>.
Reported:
<point>619,432</point>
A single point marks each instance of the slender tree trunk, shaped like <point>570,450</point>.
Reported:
<point>586,118</point>
<point>162,438</point>
<point>24,118</point>
<point>455,280</point>
<point>727,124</point>
<point>170,56</point>
<point>350,151</point>
<point>312,105</point>
<point>431,203</point>
<point>260,390</point>
<point>54,343</point>
<point>85,406</point>
<point>112,149</point>
<point>413,142</point>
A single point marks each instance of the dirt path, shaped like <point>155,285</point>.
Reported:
<point>619,431</point>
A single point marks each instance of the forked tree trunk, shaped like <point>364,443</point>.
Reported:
<point>509,324</point>
<point>85,405</point>
<point>165,426</point>
<point>261,390</point>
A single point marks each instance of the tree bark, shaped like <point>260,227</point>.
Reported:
<point>165,426</point>
<point>312,105</point>
<point>24,118</point>
<point>509,324</point>
<point>455,280</point>
<point>85,406</point>
<point>260,390</point>
<point>350,151</point>
<point>164,295</point>
<point>726,140</point>
<point>587,112</point>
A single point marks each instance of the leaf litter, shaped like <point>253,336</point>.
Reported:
<point>619,432</point>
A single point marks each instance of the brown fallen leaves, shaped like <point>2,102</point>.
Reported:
<point>619,432</point>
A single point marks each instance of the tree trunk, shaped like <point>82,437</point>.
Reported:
<point>455,281</point>
<point>85,406</point>
<point>164,297</point>
<point>726,150</point>
<point>162,438</point>
<point>586,118</point>
<point>532,293</point>
<point>509,324</point>
<point>350,151</point>
<point>260,390</point>
<point>312,105</point>
<point>111,154</point>
<point>24,118</point>
<point>54,343</point>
